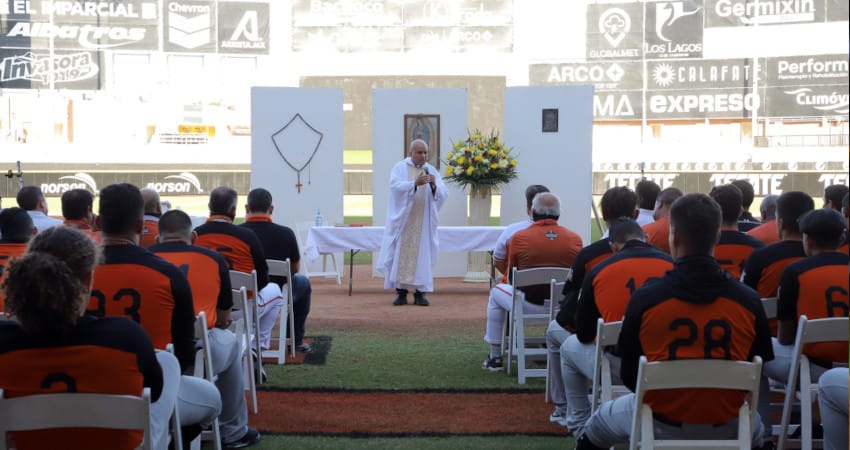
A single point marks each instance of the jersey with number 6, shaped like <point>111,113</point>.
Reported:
<point>696,311</point>
<point>134,283</point>
<point>816,287</point>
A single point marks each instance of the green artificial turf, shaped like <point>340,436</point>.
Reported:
<point>367,360</point>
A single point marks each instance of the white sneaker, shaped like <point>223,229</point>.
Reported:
<point>559,416</point>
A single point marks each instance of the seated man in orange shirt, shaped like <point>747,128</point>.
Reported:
<point>243,251</point>
<point>209,279</point>
<point>153,209</point>
<point>816,286</point>
<point>605,294</point>
<point>16,230</point>
<point>734,247</point>
<point>767,232</point>
<point>658,231</point>
<point>77,211</point>
<point>543,244</point>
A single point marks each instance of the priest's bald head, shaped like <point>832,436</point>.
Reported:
<point>419,152</point>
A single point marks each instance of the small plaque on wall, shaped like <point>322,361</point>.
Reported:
<point>550,120</point>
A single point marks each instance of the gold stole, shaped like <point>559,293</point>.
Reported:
<point>411,235</point>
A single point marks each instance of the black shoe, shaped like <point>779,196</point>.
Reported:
<point>400,297</point>
<point>493,364</point>
<point>583,443</point>
<point>251,437</point>
<point>420,299</point>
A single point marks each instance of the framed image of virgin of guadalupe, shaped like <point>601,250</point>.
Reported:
<point>427,128</point>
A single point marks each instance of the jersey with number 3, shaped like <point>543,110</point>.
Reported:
<point>145,288</point>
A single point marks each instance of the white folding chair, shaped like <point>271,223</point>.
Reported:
<point>249,282</point>
<point>556,289</point>
<point>689,374</point>
<point>241,328</point>
<point>76,410</point>
<point>204,369</point>
<point>519,320</point>
<point>301,230</point>
<point>603,388</point>
<point>287,317</point>
<point>833,329</point>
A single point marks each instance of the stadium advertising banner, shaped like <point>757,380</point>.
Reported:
<point>189,26</point>
<point>617,85</point>
<point>614,31</point>
<point>393,26</point>
<point>697,89</point>
<point>815,85</point>
<point>37,69</point>
<point>178,182</point>
<point>745,13</point>
<point>673,29</point>
<point>767,178</point>
<point>243,28</point>
<point>91,25</point>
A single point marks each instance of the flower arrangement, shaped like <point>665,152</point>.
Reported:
<point>480,160</point>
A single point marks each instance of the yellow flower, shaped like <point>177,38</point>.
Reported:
<point>494,166</point>
<point>470,170</point>
<point>513,163</point>
<point>492,152</point>
<point>448,171</point>
<point>449,156</point>
<point>458,144</point>
<point>460,160</point>
<point>480,145</point>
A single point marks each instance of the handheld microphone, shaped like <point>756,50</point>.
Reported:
<point>426,171</point>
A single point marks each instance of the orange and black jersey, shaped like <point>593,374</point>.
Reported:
<point>586,260</point>
<point>134,283</point>
<point>764,266</point>
<point>767,232</point>
<point>608,287</point>
<point>239,246</point>
<point>110,356</point>
<point>9,250</point>
<point>207,272</point>
<point>278,241</point>
<point>817,287</point>
<point>658,233</point>
<point>733,249</point>
<point>696,311</point>
<point>149,232</point>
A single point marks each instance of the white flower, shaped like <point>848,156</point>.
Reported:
<point>503,163</point>
<point>458,170</point>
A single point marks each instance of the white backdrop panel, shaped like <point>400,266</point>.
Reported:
<point>272,108</point>
<point>388,109</point>
<point>559,160</point>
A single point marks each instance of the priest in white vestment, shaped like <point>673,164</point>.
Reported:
<point>409,247</point>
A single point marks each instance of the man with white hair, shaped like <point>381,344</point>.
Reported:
<point>543,244</point>
<point>409,247</point>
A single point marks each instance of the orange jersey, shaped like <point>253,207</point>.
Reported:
<point>694,312</point>
<point>84,227</point>
<point>767,232</point>
<point>149,232</point>
<point>137,284</point>
<point>608,287</point>
<point>765,266</point>
<point>733,250</point>
<point>238,245</point>
<point>817,287</point>
<point>8,252</point>
<point>543,244</point>
<point>109,356</point>
<point>207,273</point>
<point>658,234</point>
